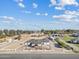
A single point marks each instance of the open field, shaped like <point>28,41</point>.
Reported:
<point>17,46</point>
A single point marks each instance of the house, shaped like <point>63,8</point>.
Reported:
<point>37,42</point>
<point>53,36</point>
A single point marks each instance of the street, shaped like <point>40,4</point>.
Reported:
<point>38,56</point>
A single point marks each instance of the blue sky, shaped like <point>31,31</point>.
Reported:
<point>39,14</point>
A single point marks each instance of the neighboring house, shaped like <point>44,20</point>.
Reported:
<point>57,35</point>
<point>53,36</point>
<point>36,42</point>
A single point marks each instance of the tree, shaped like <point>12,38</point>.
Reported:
<point>6,32</point>
<point>42,30</point>
<point>1,32</point>
<point>68,31</point>
<point>12,32</point>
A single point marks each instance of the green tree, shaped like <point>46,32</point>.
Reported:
<point>42,30</point>
<point>6,32</point>
<point>12,32</point>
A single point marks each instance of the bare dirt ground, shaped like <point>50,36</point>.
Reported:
<point>18,45</point>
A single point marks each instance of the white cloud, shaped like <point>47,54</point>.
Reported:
<point>59,8</point>
<point>42,14</point>
<point>56,23</point>
<point>70,16</point>
<point>21,5</point>
<point>76,13</point>
<point>35,5</point>
<point>18,0</point>
<point>64,16</point>
<point>53,2</point>
<point>38,14</point>
<point>69,2</point>
<point>45,14</point>
<point>6,19</point>
<point>63,3</point>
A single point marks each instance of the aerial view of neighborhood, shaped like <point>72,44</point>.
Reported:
<point>44,41</point>
<point>39,26</point>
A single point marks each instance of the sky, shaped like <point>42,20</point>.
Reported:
<point>39,14</point>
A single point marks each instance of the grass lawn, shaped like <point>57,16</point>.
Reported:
<point>77,45</point>
<point>67,38</point>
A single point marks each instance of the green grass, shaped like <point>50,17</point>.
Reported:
<point>77,45</point>
<point>63,44</point>
<point>67,38</point>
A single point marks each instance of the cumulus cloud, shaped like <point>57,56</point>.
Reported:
<point>68,2</point>
<point>53,2</point>
<point>70,16</point>
<point>42,14</point>
<point>11,20</point>
<point>38,14</point>
<point>21,5</point>
<point>6,19</point>
<point>35,5</point>
<point>59,8</point>
<point>76,13</point>
<point>45,14</point>
<point>63,17</point>
<point>63,3</point>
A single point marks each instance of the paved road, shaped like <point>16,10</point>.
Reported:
<point>38,56</point>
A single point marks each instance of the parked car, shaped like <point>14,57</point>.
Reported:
<point>75,35</point>
<point>74,41</point>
